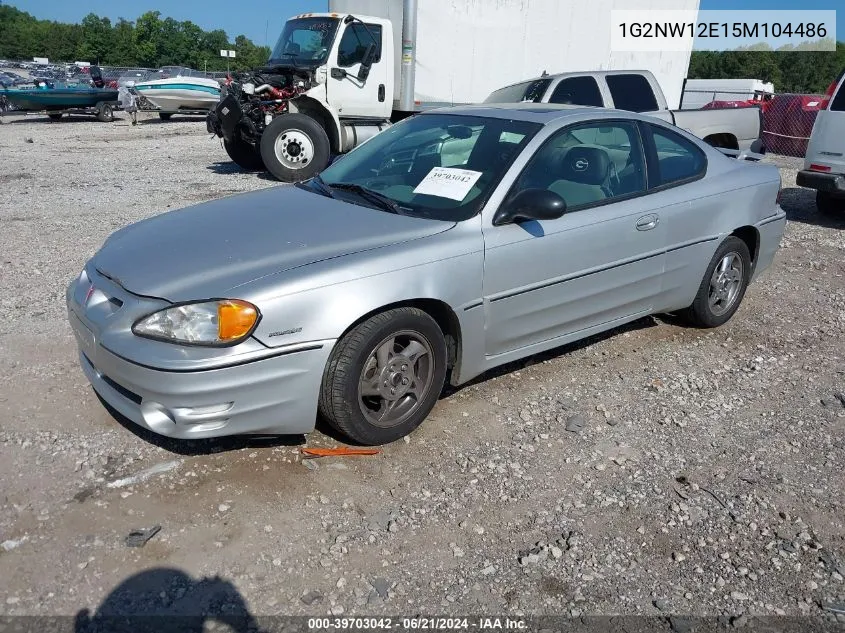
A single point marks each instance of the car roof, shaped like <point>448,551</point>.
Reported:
<point>543,113</point>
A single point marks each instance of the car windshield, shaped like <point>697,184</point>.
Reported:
<point>440,166</point>
<point>305,41</point>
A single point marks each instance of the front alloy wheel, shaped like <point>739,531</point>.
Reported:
<point>396,378</point>
<point>384,376</point>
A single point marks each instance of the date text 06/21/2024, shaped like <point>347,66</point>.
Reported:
<point>417,624</point>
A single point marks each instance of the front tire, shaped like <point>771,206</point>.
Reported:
<point>244,155</point>
<point>723,286</point>
<point>827,204</point>
<point>295,147</point>
<point>385,376</point>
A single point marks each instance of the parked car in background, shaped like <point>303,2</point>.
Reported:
<point>824,163</point>
<point>452,242</point>
<point>638,91</point>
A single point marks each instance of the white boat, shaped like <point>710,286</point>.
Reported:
<point>180,93</point>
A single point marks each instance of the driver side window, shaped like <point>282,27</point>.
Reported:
<point>354,44</point>
<point>588,164</point>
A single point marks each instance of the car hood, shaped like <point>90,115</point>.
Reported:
<point>205,250</point>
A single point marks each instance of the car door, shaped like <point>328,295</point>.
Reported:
<point>599,263</point>
<point>690,213</point>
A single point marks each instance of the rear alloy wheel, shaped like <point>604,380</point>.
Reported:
<point>828,204</point>
<point>244,154</point>
<point>723,285</point>
<point>295,147</point>
<point>384,376</point>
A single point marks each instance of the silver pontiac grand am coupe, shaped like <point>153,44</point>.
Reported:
<point>452,242</point>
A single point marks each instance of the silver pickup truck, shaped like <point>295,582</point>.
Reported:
<point>638,91</point>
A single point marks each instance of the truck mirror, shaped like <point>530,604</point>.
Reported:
<point>367,61</point>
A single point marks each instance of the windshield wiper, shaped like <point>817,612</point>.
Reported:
<point>380,200</point>
<point>322,186</point>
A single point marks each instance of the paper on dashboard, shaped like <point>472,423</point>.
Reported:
<point>448,182</point>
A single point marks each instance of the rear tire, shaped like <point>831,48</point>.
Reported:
<point>165,116</point>
<point>723,286</point>
<point>55,116</point>
<point>244,155</point>
<point>295,147</point>
<point>827,204</point>
<point>385,376</point>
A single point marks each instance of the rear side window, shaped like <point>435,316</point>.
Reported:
<point>526,91</point>
<point>838,103</point>
<point>678,159</point>
<point>632,93</point>
<point>578,91</point>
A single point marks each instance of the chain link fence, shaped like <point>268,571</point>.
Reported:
<point>788,118</point>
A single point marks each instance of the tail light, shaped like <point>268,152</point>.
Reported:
<point>815,167</point>
<point>828,95</point>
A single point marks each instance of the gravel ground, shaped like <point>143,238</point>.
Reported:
<point>707,478</point>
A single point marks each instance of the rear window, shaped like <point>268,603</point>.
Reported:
<point>577,91</point>
<point>632,92</point>
<point>838,103</point>
<point>526,91</point>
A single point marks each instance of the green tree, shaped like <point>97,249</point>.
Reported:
<point>97,39</point>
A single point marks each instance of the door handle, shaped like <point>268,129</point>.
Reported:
<point>647,222</point>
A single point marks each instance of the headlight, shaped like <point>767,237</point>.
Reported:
<point>219,322</point>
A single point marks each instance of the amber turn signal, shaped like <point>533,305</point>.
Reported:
<point>235,319</point>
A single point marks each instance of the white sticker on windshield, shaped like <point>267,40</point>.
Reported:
<point>448,182</point>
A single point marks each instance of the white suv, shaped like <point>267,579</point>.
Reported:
<point>824,164</point>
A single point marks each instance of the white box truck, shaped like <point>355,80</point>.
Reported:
<point>699,92</point>
<point>336,79</point>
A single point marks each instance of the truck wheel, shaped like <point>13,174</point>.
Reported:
<point>295,147</point>
<point>828,204</point>
<point>244,155</point>
<point>165,116</point>
<point>55,116</point>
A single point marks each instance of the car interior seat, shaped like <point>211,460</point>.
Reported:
<point>583,176</point>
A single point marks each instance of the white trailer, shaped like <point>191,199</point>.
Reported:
<point>336,79</point>
<point>700,92</point>
<point>459,52</point>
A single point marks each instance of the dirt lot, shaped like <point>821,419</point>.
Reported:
<point>708,478</point>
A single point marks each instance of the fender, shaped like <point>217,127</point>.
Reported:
<point>320,112</point>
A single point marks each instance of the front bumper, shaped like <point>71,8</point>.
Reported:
<point>274,395</point>
<point>829,183</point>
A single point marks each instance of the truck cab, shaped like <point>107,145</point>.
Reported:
<point>327,87</point>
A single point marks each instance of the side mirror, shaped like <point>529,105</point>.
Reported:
<point>367,61</point>
<point>530,204</point>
